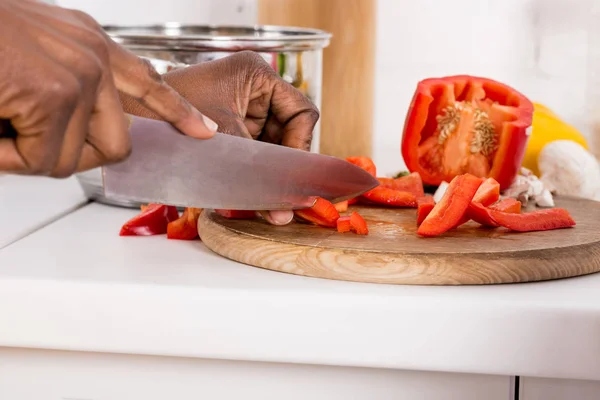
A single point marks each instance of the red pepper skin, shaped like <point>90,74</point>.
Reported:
<point>540,220</point>
<point>353,201</point>
<point>410,183</point>
<point>343,224</point>
<point>452,207</point>
<point>152,220</point>
<point>322,213</point>
<point>424,206</point>
<point>512,140</point>
<point>236,214</point>
<point>342,206</point>
<point>365,163</point>
<point>358,224</point>
<point>390,197</point>
<point>483,217</point>
<point>186,226</point>
<point>488,193</point>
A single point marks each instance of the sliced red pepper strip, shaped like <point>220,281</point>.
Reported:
<point>465,124</point>
<point>452,207</point>
<point>481,216</point>
<point>365,163</point>
<point>152,220</point>
<point>321,213</point>
<point>390,197</point>
<point>358,224</point>
<point>540,220</point>
<point>424,206</point>
<point>186,226</point>
<point>488,193</point>
<point>409,183</point>
<point>342,206</point>
<point>236,214</point>
<point>343,224</point>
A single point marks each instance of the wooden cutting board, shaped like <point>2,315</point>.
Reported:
<point>393,253</point>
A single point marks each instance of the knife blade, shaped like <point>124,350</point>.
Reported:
<point>226,172</point>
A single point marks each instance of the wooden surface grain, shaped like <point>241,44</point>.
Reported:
<point>348,67</point>
<point>393,253</point>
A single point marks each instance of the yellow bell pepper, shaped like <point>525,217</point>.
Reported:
<point>547,127</point>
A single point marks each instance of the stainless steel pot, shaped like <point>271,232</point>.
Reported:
<point>295,53</point>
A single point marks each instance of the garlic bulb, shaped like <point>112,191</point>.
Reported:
<point>568,168</point>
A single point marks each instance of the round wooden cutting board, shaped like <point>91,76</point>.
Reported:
<point>393,253</point>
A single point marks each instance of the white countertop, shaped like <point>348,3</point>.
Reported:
<point>28,203</point>
<point>76,285</point>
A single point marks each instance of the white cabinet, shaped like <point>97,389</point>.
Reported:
<point>558,389</point>
<point>57,375</point>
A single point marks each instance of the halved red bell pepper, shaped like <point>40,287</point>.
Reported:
<point>322,213</point>
<point>390,197</point>
<point>488,193</point>
<point>237,214</point>
<point>424,206</point>
<point>153,220</point>
<point>540,220</point>
<point>365,163</point>
<point>186,226</point>
<point>409,183</point>
<point>465,124</point>
<point>483,217</point>
<point>452,207</point>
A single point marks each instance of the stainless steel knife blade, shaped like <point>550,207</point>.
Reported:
<point>226,172</point>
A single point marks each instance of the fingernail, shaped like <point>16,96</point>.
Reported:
<point>280,217</point>
<point>210,124</point>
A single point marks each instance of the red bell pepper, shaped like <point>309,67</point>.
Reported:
<point>465,124</point>
<point>152,220</point>
<point>424,206</point>
<point>236,214</point>
<point>409,183</point>
<point>452,207</point>
<point>186,226</point>
<point>343,224</point>
<point>488,193</point>
<point>540,220</point>
<point>365,163</point>
<point>483,217</point>
<point>390,197</point>
<point>354,223</point>
<point>321,213</point>
<point>342,206</point>
<point>358,224</point>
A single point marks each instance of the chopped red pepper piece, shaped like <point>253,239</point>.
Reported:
<point>365,163</point>
<point>409,183</point>
<point>465,124</point>
<point>488,193</point>
<point>452,207</point>
<point>321,213</point>
<point>483,217</point>
<point>353,201</point>
<point>540,220</point>
<point>390,197</point>
<point>424,206</point>
<point>358,224</point>
<point>343,224</point>
<point>236,214</point>
<point>186,226</point>
<point>152,220</point>
<point>342,206</point>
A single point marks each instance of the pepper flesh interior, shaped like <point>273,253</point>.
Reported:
<point>462,131</point>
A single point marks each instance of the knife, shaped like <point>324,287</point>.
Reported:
<point>226,172</point>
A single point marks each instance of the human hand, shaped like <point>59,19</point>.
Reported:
<point>247,98</point>
<point>59,107</point>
